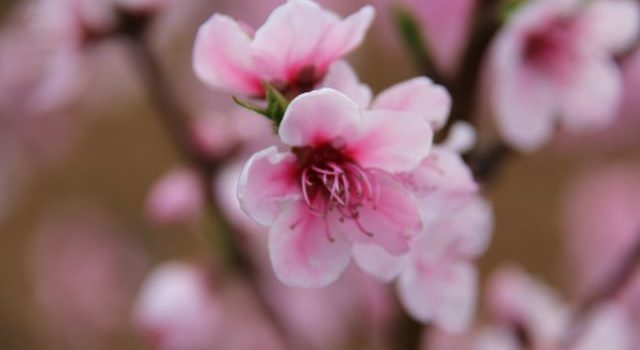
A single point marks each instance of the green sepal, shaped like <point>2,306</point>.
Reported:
<point>508,8</point>
<point>276,105</point>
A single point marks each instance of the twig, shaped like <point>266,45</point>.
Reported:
<point>486,164</point>
<point>175,121</point>
<point>465,87</point>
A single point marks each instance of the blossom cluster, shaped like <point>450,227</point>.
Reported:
<point>343,209</point>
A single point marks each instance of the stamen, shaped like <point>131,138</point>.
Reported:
<point>362,229</point>
<point>306,182</point>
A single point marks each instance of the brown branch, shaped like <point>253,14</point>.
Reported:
<point>175,121</point>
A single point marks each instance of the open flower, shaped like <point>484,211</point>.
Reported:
<point>335,185</point>
<point>554,64</point>
<point>292,50</point>
<point>437,278</point>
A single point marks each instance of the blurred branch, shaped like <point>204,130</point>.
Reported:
<point>465,87</point>
<point>408,333</point>
<point>485,165</point>
<point>175,120</point>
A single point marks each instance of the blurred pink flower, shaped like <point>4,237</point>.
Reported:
<point>553,63</point>
<point>177,197</point>
<point>332,317</point>
<point>84,274</point>
<point>177,308</point>
<point>292,50</point>
<point>517,300</point>
<point>335,186</point>
<point>602,221</point>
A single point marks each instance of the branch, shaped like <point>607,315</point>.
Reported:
<point>175,121</point>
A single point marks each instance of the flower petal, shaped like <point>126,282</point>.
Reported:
<point>318,117</point>
<point>609,327</point>
<point>592,97</point>
<point>524,105</point>
<point>611,24</point>
<point>443,294</point>
<point>303,252</point>
<point>391,141</point>
<point>456,224</point>
<point>222,57</point>
<point>289,39</point>
<point>343,78</point>
<point>378,263</point>
<point>391,220</point>
<point>442,171</point>
<point>419,95</point>
<point>266,183</point>
<point>344,36</point>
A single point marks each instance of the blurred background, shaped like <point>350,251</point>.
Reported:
<point>74,188</point>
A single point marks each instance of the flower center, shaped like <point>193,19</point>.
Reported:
<point>330,180</point>
<point>303,81</point>
<point>551,48</point>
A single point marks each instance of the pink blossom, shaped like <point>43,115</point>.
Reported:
<point>518,300</point>
<point>177,308</point>
<point>553,64</point>
<point>437,281</point>
<point>335,185</point>
<point>84,272</point>
<point>292,50</point>
<point>602,220</point>
<point>177,197</point>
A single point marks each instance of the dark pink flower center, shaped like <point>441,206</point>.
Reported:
<point>552,47</point>
<point>303,80</point>
<point>331,180</point>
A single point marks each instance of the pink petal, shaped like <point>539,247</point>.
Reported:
<point>514,296</point>
<point>343,78</point>
<point>419,95</point>
<point>344,36</point>
<point>391,141</point>
<point>177,197</point>
<point>458,225</point>
<point>446,25</point>
<point>392,221</point>
<point>303,252</point>
<point>611,24</point>
<point>289,39</point>
<point>592,97</point>
<point>462,138</point>
<point>268,180</point>
<point>318,117</point>
<point>443,171</point>
<point>524,107</point>
<point>608,328</point>
<point>222,57</point>
<point>378,263</point>
<point>442,294</point>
